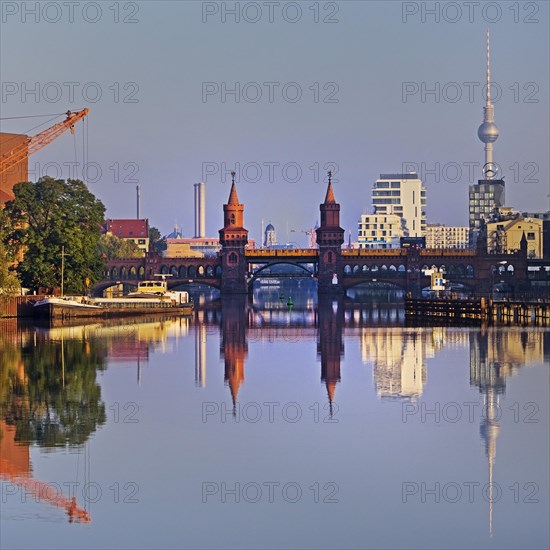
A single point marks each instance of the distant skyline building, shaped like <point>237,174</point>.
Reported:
<point>439,235</point>
<point>270,236</point>
<point>505,232</point>
<point>399,202</point>
<point>380,231</point>
<point>545,217</point>
<point>485,197</point>
<point>200,210</point>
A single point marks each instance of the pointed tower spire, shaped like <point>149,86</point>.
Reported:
<point>233,199</point>
<point>329,199</point>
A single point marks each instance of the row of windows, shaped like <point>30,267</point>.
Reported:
<point>378,225</point>
<point>482,195</point>
<point>387,185</point>
<point>385,201</point>
<point>386,193</point>
<point>374,233</point>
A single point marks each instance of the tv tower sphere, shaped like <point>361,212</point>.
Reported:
<point>488,132</point>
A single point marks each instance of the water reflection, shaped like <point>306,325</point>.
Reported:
<point>50,397</point>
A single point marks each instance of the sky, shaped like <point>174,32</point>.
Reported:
<point>184,91</point>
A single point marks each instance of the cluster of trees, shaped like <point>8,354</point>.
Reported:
<point>49,214</point>
<point>46,216</point>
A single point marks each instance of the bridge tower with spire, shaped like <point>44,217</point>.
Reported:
<point>233,239</point>
<point>330,237</point>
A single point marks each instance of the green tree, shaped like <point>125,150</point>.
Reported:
<point>9,283</point>
<point>155,241</point>
<point>113,247</point>
<point>50,214</point>
<point>154,234</point>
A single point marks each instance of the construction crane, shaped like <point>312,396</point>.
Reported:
<point>311,236</point>
<point>40,140</point>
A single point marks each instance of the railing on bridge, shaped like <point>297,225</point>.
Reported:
<point>448,252</point>
<point>393,252</point>
<point>370,252</point>
<point>280,252</point>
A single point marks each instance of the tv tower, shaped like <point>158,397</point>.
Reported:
<point>487,196</point>
<point>488,131</point>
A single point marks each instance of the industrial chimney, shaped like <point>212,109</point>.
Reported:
<point>200,209</point>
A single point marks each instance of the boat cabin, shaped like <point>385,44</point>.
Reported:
<point>153,287</point>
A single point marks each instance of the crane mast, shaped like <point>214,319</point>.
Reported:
<point>40,140</point>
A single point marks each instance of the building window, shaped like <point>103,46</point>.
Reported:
<point>141,241</point>
<point>232,219</point>
<point>530,236</point>
<point>232,258</point>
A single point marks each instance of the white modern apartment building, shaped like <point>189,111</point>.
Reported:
<point>399,203</point>
<point>439,235</point>
<point>380,231</point>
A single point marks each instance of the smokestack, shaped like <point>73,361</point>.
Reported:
<point>137,202</point>
<point>200,209</point>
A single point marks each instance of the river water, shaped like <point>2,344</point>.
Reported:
<point>274,425</point>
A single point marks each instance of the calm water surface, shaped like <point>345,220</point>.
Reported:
<point>330,425</point>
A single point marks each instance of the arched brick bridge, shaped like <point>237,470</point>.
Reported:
<point>401,267</point>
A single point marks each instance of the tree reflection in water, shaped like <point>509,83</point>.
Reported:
<point>48,390</point>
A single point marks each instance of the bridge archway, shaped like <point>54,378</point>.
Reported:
<point>286,269</point>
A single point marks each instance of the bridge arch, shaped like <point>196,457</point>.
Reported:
<point>261,271</point>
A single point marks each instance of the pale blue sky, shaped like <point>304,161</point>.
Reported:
<point>169,132</point>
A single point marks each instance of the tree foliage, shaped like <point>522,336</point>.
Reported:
<point>9,284</point>
<point>47,215</point>
<point>112,247</point>
<point>156,242</point>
